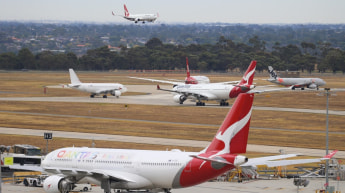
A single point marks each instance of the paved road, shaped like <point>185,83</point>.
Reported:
<point>163,141</point>
<point>258,186</point>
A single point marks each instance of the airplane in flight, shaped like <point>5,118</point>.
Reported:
<point>138,17</point>
<point>157,171</point>
<point>214,91</point>
<point>311,83</point>
<point>114,89</point>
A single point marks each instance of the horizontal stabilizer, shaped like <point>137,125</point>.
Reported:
<point>212,159</point>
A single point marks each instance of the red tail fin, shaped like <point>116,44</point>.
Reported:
<point>249,75</point>
<point>188,72</point>
<point>330,155</point>
<point>126,10</point>
<point>232,136</point>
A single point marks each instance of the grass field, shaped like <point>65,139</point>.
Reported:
<point>295,127</point>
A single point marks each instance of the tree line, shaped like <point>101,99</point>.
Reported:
<point>224,55</point>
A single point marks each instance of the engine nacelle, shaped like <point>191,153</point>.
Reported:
<point>116,93</point>
<point>56,184</point>
<point>179,99</point>
<point>312,86</point>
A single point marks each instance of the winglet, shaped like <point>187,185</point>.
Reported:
<point>158,87</point>
<point>330,155</point>
<point>112,12</point>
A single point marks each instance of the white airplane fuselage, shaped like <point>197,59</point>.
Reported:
<point>96,87</point>
<point>213,91</point>
<point>141,17</point>
<point>299,82</point>
<point>149,169</point>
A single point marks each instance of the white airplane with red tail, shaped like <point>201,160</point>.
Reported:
<point>138,17</point>
<point>152,170</point>
<point>157,171</point>
<point>214,91</point>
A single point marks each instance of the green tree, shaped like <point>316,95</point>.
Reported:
<point>26,59</point>
<point>8,61</point>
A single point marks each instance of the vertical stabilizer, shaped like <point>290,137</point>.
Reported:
<point>187,66</point>
<point>126,10</point>
<point>248,76</point>
<point>232,135</point>
<point>73,76</point>
<point>272,73</point>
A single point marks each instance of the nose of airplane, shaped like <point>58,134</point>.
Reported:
<point>123,89</point>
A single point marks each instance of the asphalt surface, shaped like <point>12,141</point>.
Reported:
<point>255,186</point>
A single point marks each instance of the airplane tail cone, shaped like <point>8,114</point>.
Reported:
<point>232,135</point>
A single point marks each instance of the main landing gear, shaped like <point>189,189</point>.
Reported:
<point>199,103</point>
<point>224,103</point>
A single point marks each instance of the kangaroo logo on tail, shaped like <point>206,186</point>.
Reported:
<point>126,10</point>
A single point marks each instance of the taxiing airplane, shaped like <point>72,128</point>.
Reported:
<point>154,170</point>
<point>114,89</point>
<point>214,91</point>
<point>138,17</point>
<point>311,83</point>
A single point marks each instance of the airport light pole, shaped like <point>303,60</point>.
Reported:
<point>0,172</point>
<point>327,92</point>
<point>327,163</point>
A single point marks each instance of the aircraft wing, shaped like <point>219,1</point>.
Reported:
<point>121,176</point>
<point>100,91</point>
<point>200,95</point>
<point>270,160</point>
<point>156,80</point>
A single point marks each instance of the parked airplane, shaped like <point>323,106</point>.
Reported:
<point>153,170</point>
<point>213,91</point>
<point>295,82</point>
<point>138,17</point>
<point>114,89</point>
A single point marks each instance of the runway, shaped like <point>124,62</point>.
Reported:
<point>152,96</point>
<point>255,186</point>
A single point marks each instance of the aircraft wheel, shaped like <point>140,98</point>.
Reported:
<point>302,88</point>
<point>104,96</point>
<point>26,183</point>
<point>92,96</point>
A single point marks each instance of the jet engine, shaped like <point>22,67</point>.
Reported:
<point>116,93</point>
<point>179,98</point>
<point>57,184</point>
<point>312,86</point>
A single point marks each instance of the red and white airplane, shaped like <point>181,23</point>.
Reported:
<point>138,17</point>
<point>152,170</point>
<point>156,170</point>
<point>214,91</point>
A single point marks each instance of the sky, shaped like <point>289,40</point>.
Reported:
<point>178,11</point>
